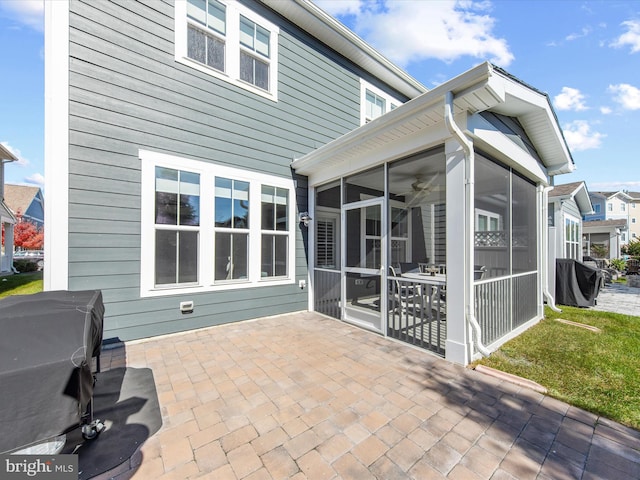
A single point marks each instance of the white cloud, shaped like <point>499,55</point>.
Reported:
<point>583,33</point>
<point>626,95</point>
<point>340,7</point>
<point>570,99</point>
<point>606,110</point>
<point>580,137</point>
<point>35,179</point>
<point>631,37</point>
<point>408,31</point>
<point>23,162</point>
<point>27,12</point>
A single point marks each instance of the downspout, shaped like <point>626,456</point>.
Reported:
<point>545,249</point>
<point>469,165</point>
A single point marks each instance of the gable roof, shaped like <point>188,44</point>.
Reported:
<point>576,191</point>
<point>308,16</point>
<point>19,197</point>
<point>482,88</point>
<point>5,154</point>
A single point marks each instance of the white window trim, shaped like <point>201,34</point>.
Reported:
<point>208,171</point>
<point>232,47</point>
<point>575,244</point>
<point>364,86</point>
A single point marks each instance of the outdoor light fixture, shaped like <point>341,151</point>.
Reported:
<point>304,218</point>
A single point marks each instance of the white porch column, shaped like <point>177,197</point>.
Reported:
<point>458,345</point>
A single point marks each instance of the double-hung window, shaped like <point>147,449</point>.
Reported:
<point>207,28</point>
<point>177,226</point>
<point>208,227</point>
<point>275,227</point>
<point>227,40</point>
<point>375,102</point>
<point>254,53</point>
<point>231,229</point>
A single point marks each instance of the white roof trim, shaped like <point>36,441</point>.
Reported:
<point>479,89</point>
<point>6,155</point>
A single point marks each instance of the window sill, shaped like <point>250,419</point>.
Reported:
<point>227,78</point>
<point>219,287</point>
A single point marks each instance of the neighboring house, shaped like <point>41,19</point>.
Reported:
<point>634,216</point>
<point>615,208</point>
<point>26,202</point>
<point>7,220</point>
<point>568,204</point>
<point>607,235</point>
<point>230,160</point>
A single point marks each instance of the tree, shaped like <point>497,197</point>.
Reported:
<point>27,236</point>
<point>632,248</point>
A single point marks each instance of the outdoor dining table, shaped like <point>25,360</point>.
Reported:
<point>437,279</point>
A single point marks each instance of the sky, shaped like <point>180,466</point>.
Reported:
<point>584,54</point>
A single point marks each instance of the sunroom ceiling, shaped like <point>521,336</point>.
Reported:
<point>419,123</point>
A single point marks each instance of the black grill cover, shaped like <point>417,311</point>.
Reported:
<point>577,284</point>
<point>47,341</point>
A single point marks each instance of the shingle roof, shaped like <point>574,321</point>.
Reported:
<point>565,189</point>
<point>19,197</point>
<point>621,222</point>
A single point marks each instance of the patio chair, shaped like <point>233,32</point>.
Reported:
<point>409,267</point>
<point>479,272</point>
<point>402,297</point>
<point>633,266</point>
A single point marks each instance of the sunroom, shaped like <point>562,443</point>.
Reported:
<point>427,224</point>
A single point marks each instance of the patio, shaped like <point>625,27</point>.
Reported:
<point>305,396</point>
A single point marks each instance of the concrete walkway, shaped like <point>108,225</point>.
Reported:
<point>619,298</point>
<point>302,396</point>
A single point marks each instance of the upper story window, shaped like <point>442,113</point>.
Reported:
<point>623,207</point>
<point>374,102</point>
<point>596,208</point>
<point>229,41</point>
<point>208,227</point>
<point>609,207</point>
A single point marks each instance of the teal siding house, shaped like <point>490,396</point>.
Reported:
<point>215,161</point>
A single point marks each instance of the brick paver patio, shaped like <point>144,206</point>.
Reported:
<point>304,396</point>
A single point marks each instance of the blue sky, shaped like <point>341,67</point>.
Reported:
<point>584,54</point>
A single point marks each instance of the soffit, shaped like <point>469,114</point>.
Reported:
<point>479,89</point>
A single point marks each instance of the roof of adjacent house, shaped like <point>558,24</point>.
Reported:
<point>575,190</point>
<point>5,154</point>
<point>625,193</point>
<point>19,197</point>
<point>618,222</point>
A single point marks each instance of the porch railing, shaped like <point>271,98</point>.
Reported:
<point>504,304</point>
<point>417,313</point>
<point>326,291</point>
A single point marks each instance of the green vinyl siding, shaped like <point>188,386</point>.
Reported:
<point>128,93</point>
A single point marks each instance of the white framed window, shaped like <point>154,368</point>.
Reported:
<point>374,102</point>
<point>609,207</point>
<point>596,208</point>
<point>623,207</point>
<point>572,237</point>
<point>633,219</point>
<point>208,227</point>
<point>229,41</point>
<point>488,221</point>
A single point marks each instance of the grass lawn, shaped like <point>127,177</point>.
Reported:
<point>599,372</point>
<point>20,284</point>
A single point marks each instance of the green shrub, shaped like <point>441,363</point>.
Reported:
<point>619,264</point>
<point>25,266</point>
